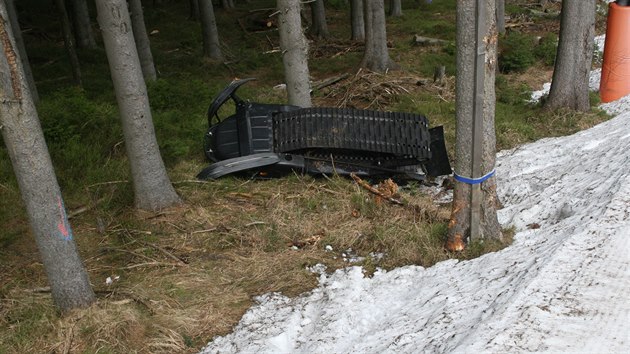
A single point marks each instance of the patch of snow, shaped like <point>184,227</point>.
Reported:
<point>317,269</point>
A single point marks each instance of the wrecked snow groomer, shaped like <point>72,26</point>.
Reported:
<point>271,140</point>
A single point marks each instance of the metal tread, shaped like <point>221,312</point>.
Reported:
<point>400,134</point>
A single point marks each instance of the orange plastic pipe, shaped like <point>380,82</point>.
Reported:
<point>615,81</point>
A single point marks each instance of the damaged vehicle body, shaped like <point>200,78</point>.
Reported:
<point>268,140</point>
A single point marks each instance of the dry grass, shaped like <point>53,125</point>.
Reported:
<point>371,90</point>
<point>189,273</point>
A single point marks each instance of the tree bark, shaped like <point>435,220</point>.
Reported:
<point>356,20</point>
<point>152,187</point>
<point>209,31</point>
<point>68,40</point>
<point>294,53</point>
<point>82,25</point>
<point>569,86</point>
<point>376,56</point>
<point>142,40</point>
<point>227,4</point>
<point>23,137</point>
<point>500,4</point>
<point>19,42</point>
<point>319,27</point>
<point>460,223</point>
<point>395,8</point>
<point>194,10</point>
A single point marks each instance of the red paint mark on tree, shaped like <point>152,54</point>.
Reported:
<point>62,225</point>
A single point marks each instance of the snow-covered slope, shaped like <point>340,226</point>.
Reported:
<point>563,287</point>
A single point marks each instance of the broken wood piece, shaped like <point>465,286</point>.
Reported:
<point>421,40</point>
<point>367,186</point>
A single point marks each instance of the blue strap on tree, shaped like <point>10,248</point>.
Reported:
<point>473,180</point>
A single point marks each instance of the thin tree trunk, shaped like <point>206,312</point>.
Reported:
<point>194,10</point>
<point>34,171</point>
<point>500,16</point>
<point>68,40</point>
<point>319,26</point>
<point>376,56</point>
<point>294,53</point>
<point>142,40</point>
<point>395,8</point>
<point>227,4</point>
<point>569,87</point>
<point>356,20</point>
<point>19,42</point>
<point>152,187</point>
<point>460,224</point>
<point>210,33</point>
<point>82,25</point>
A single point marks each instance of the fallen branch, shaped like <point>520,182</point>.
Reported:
<point>367,186</point>
<point>330,81</point>
<point>204,231</point>
<point>153,264</point>
<point>83,209</point>
<point>169,254</point>
<point>255,223</point>
<point>421,40</point>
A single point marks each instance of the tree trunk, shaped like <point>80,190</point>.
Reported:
<point>82,25</point>
<point>142,40</point>
<point>194,10</point>
<point>152,187</point>
<point>569,87</point>
<point>210,34</point>
<point>227,4</point>
<point>294,53</point>
<point>395,8</point>
<point>356,20</point>
<point>19,42</point>
<point>34,171</point>
<point>319,28</point>
<point>376,56</point>
<point>459,228</point>
<point>500,16</point>
<point>68,40</point>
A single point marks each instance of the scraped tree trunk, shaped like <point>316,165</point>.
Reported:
<point>376,56</point>
<point>142,40</point>
<point>19,42</point>
<point>460,223</point>
<point>82,25</point>
<point>500,16</point>
<point>395,8</point>
<point>152,187</point>
<point>68,40</point>
<point>356,20</point>
<point>210,34</point>
<point>294,53</point>
<point>34,171</point>
<point>569,86</point>
<point>319,27</point>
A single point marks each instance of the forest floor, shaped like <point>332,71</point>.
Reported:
<point>169,281</point>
